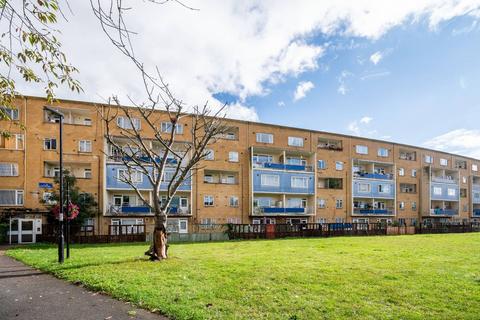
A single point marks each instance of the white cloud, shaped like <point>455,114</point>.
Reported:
<point>302,88</point>
<point>342,82</point>
<point>238,47</point>
<point>376,57</point>
<point>460,141</point>
<point>374,75</point>
<point>366,120</point>
<point>281,104</point>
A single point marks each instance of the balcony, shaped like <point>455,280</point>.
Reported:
<point>284,182</point>
<point>81,117</point>
<point>380,212</point>
<point>129,209</point>
<point>444,212</point>
<point>281,166</point>
<point>379,176</point>
<point>444,192</point>
<point>374,189</point>
<point>114,183</point>
<point>282,211</point>
<point>220,177</point>
<point>476,212</point>
<point>444,179</point>
<point>329,144</point>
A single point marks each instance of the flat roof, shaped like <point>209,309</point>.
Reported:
<point>274,125</point>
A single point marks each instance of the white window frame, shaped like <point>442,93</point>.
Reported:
<point>294,182</point>
<point>414,173</point>
<point>138,178</point>
<point>208,200</point>
<point>275,182</point>
<point>361,149</point>
<point>85,146</point>
<point>124,123</point>
<point>87,173</point>
<point>401,172</point>
<point>18,194</point>
<point>428,159</point>
<point>10,169</point>
<point>233,156</point>
<point>323,165</point>
<point>339,165</point>
<point>49,141</point>
<point>474,167</point>
<point>295,141</point>
<point>166,127</point>
<point>384,188</point>
<point>443,162</point>
<point>437,191</point>
<point>364,188</point>
<point>338,203</point>
<point>383,152</point>
<point>321,203</point>
<point>262,137</point>
<point>234,201</point>
<point>451,192</point>
<point>12,113</point>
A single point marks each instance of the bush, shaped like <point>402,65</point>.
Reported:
<point>3,232</point>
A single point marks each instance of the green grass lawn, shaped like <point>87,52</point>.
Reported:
<point>396,277</point>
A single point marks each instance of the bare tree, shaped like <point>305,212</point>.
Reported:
<point>137,153</point>
<point>154,156</point>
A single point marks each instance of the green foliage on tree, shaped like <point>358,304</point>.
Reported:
<point>30,50</point>
<point>85,201</point>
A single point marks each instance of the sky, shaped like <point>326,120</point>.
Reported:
<point>402,71</point>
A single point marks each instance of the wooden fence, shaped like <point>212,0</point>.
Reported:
<point>86,234</point>
<point>448,228</point>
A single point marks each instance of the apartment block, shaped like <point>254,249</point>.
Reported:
<point>254,174</point>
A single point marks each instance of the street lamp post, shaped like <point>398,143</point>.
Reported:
<point>60,215</point>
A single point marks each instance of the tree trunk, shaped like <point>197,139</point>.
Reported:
<point>158,249</point>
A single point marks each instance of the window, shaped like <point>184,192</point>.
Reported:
<point>428,159</point>
<point>382,152</point>
<point>414,205</point>
<point>209,154</point>
<point>124,175</point>
<point>408,155</point>
<point>444,162</point>
<point>460,164</point>
<point>414,173</point>
<point>85,146</point>
<point>11,113</point>
<point>270,180</point>
<point>264,137</point>
<point>401,172</point>
<point>50,144</point>
<point>384,188</point>
<point>233,220</point>
<point>233,156</point>
<point>322,164</point>
<point>299,182</point>
<point>437,191</point>
<point>167,127</point>
<point>408,188</point>
<point>11,197</point>
<point>340,220</point>
<point>361,149</point>
<point>401,205</point>
<point>338,165</point>
<point>208,201</point>
<point>451,192</point>
<point>463,193</point>
<point>295,141</point>
<point>124,123</point>
<point>322,220</point>
<point>87,173</point>
<point>474,167</point>
<point>208,178</point>
<point>322,203</point>
<point>233,201</point>
<point>262,158</point>
<point>339,204</point>
<point>330,183</point>
<point>87,122</point>
<point>230,180</point>
<point>364,187</point>
<point>47,198</point>
<point>8,169</point>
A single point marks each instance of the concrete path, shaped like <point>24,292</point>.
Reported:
<point>27,293</point>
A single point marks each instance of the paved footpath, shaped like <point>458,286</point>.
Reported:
<point>27,293</point>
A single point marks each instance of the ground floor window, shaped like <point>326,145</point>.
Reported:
<point>297,220</point>
<point>127,226</point>
<point>177,225</point>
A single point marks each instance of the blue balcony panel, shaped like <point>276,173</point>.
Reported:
<point>375,176</point>
<point>285,185</point>
<point>114,183</point>
<point>374,189</point>
<point>373,211</point>
<point>283,210</point>
<point>444,196</point>
<point>476,212</point>
<point>444,212</point>
<point>134,209</point>
<point>281,166</point>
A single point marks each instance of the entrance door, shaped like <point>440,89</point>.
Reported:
<point>23,231</point>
